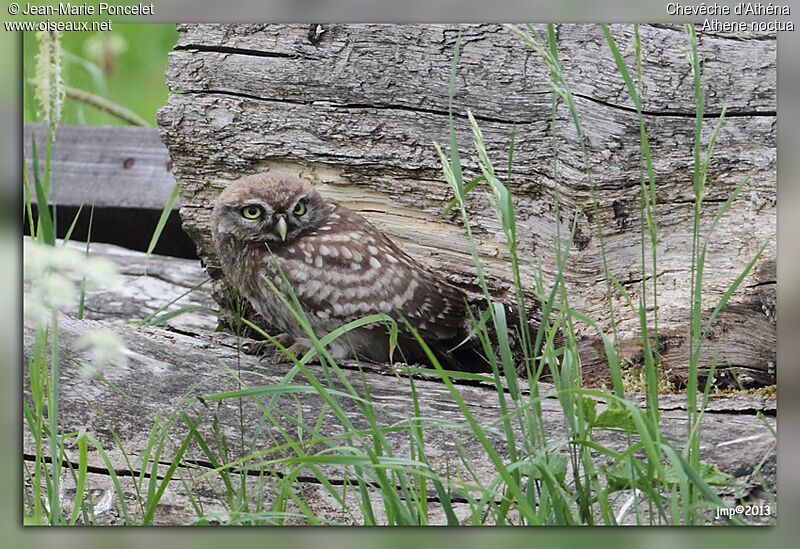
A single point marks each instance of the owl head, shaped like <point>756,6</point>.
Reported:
<point>269,207</point>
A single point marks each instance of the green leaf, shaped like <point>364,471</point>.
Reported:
<point>589,410</point>
<point>615,418</point>
<point>556,464</point>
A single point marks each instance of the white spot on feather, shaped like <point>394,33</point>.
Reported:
<point>374,262</point>
<point>324,292</point>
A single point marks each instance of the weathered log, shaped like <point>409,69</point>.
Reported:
<point>169,364</point>
<point>357,113</point>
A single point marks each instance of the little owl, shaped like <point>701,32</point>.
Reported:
<point>339,266</point>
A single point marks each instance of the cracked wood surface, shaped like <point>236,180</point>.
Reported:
<point>357,113</point>
<point>170,364</point>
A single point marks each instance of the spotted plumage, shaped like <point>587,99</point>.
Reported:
<point>340,267</point>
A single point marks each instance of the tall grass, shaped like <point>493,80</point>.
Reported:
<point>536,477</point>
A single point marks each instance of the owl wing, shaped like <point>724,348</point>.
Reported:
<point>347,269</point>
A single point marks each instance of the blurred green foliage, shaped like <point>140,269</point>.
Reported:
<point>125,65</point>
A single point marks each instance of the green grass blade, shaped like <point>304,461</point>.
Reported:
<point>88,243</point>
<point>177,312</point>
<point>80,485</point>
<point>114,478</point>
<point>27,206</point>
<point>146,320</point>
<point>467,188</point>
<point>727,295</point>
<point>162,221</point>
<point>152,502</point>
<point>44,228</point>
<point>456,160</point>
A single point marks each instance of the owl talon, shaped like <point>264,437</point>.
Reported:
<point>255,348</point>
<point>261,348</point>
<point>298,349</point>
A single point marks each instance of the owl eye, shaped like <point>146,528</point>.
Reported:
<point>251,212</point>
<point>300,208</point>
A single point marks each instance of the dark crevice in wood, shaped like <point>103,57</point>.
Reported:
<point>188,333</point>
<point>306,479</point>
<point>705,200</point>
<point>773,412</point>
<point>729,113</point>
<point>237,51</point>
<point>231,94</point>
<point>303,479</point>
<point>482,118</point>
<point>762,283</point>
<point>94,469</point>
<point>382,370</point>
<point>436,112</point>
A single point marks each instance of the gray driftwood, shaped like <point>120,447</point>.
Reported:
<point>358,111</point>
<point>169,364</point>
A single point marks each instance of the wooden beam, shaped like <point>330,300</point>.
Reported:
<point>110,166</point>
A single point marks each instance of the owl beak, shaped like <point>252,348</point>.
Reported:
<point>280,226</point>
